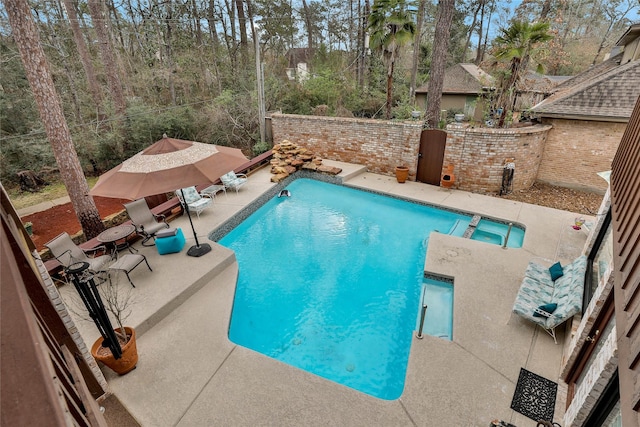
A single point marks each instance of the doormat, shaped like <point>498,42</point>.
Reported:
<point>535,396</point>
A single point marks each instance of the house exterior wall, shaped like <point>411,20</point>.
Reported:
<point>631,52</point>
<point>625,216</point>
<point>576,149</point>
<point>380,145</point>
<point>453,102</point>
<point>466,103</point>
<point>479,155</point>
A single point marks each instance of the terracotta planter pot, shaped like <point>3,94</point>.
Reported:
<point>402,173</point>
<point>446,182</point>
<point>129,358</point>
<point>448,178</point>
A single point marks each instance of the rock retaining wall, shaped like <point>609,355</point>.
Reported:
<point>289,157</point>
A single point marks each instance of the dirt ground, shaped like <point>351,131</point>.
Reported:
<point>559,198</point>
<point>50,223</point>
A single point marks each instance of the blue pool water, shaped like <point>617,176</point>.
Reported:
<point>330,281</point>
<point>438,296</point>
<point>496,233</point>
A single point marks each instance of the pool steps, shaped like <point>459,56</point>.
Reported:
<point>472,226</point>
<point>455,226</point>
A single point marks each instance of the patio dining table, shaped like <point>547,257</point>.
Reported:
<point>113,235</point>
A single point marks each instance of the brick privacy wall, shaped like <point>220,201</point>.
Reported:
<point>576,150</point>
<point>380,145</point>
<point>479,154</point>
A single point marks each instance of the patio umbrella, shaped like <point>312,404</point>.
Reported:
<point>165,166</point>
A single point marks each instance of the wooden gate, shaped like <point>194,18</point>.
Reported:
<point>431,156</point>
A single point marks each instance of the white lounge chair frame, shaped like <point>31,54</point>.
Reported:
<point>233,180</point>
<point>197,202</point>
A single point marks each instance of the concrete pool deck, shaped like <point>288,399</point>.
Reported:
<point>190,374</point>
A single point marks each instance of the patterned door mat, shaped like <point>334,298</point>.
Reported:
<point>535,396</point>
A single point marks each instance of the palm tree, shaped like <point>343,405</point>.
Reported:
<point>517,44</point>
<point>391,26</point>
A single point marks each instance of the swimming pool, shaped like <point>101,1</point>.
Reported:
<point>330,281</point>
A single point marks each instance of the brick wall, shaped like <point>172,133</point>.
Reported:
<point>63,312</point>
<point>380,145</point>
<point>576,150</point>
<point>593,382</point>
<point>479,154</point>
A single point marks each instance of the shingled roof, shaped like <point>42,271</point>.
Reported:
<point>463,79</point>
<point>605,92</point>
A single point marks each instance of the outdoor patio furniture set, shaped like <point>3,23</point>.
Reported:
<point>105,261</point>
<point>150,227</point>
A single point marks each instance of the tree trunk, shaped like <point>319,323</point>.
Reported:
<point>25,34</point>
<point>215,42</point>
<point>96,9</point>
<point>122,71</point>
<point>364,44</point>
<point>211,19</point>
<point>546,8</point>
<point>53,37</point>
<point>472,27</point>
<point>438,61</point>
<point>507,96</point>
<point>360,47</point>
<point>602,42</point>
<point>416,49</point>
<point>230,41</point>
<point>486,33</point>
<point>244,42</point>
<point>136,29</point>
<point>199,42</point>
<point>480,33</point>
<point>307,21</point>
<point>85,58</point>
<point>390,68</point>
<point>168,51</point>
<point>116,17</point>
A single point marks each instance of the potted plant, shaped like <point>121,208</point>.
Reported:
<point>29,227</point>
<point>402,173</point>
<point>117,301</point>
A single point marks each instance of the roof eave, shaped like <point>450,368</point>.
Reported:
<point>593,118</point>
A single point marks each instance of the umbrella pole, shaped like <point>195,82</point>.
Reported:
<point>198,249</point>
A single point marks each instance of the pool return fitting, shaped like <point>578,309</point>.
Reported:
<point>423,313</point>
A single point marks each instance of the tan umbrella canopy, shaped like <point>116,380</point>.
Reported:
<point>165,166</point>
